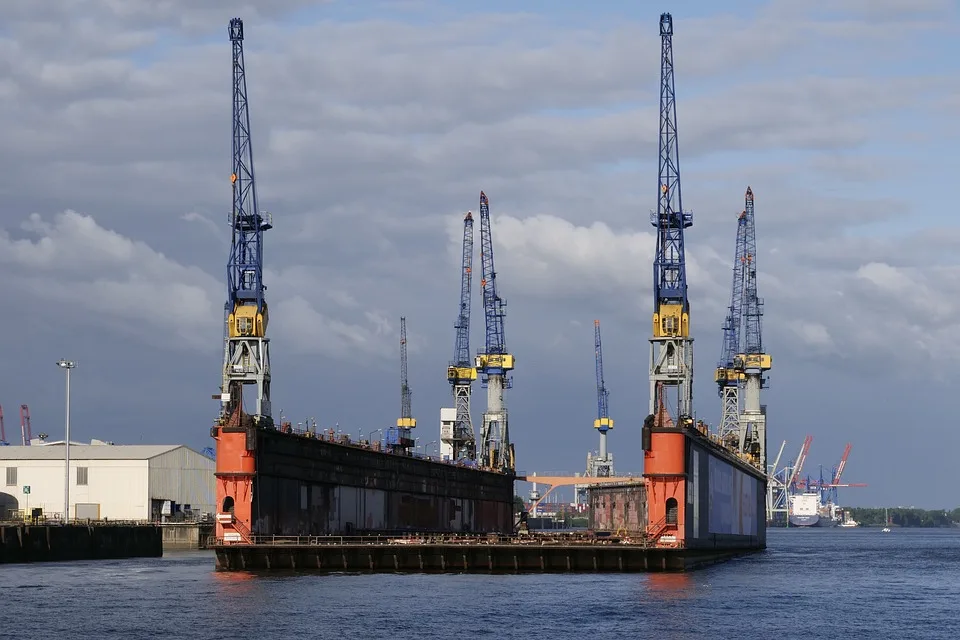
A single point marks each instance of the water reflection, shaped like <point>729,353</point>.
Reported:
<point>667,586</point>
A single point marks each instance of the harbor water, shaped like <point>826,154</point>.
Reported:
<point>809,583</point>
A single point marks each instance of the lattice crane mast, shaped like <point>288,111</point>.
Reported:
<point>601,465</point>
<point>399,438</point>
<point>728,378</point>
<point>671,347</point>
<point>493,361</point>
<point>460,442</point>
<point>752,360</point>
<point>246,359</point>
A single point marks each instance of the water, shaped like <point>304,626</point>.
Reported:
<point>810,583</point>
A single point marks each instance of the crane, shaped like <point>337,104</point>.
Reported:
<point>3,431</point>
<point>458,441</point>
<point>26,435</point>
<point>398,438</point>
<point>246,359</point>
<point>671,347</point>
<point>742,360</point>
<point>751,360</point>
<point>493,361</point>
<point>601,465</point>
<point>728,378</point>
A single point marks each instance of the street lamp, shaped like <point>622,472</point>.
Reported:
<point>66,365</point>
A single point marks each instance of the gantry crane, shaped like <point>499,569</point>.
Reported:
<point>399,439</point>
<point>671,347</point>
<point>493,361</point>
<point>246,359</point>
<point>602,464</point>
<point>457,439</point>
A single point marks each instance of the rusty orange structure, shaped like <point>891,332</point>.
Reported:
<point>235,472</point>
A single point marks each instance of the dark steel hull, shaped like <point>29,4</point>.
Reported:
<point>313,486</point>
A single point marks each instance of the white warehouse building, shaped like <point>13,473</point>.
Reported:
<point>107,481</point>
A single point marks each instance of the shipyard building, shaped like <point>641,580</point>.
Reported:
<point>107,481</point>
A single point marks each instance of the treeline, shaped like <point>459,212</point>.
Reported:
<point>901,517</point>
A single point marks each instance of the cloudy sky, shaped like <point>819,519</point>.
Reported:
<point>375,126</point>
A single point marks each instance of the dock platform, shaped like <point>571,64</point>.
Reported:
<point>464,554</point>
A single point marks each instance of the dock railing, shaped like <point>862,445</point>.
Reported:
<point>542,539</point>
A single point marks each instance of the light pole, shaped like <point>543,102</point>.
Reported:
<point>67,365</point>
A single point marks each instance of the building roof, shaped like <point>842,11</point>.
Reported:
<point>87,451</point>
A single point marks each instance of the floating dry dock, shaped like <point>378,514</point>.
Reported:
<point>465,554</point>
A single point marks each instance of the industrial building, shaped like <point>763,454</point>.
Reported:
<point>107,481</point>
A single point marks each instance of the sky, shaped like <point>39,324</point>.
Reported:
<point>374,127</point>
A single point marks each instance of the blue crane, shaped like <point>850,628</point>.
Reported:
<point>742,360</point>
<point>493,361</point>
<point>602,464</point>
<point>728,377</point>
<point>461,442</point>
<point>671,348</point>
<point>246,352</point>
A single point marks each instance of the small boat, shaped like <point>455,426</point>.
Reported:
<point>886,515</point>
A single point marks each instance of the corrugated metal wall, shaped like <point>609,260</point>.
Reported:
<point>185,477</point>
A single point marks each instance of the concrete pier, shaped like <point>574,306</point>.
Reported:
<point>38,543</point>
<point>500,556</point>
<point>186,535</point>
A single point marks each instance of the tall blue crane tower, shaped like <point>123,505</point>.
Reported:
<point>743,361</point>
<point>457,439</point>
<point>246,359</point>
<point>751,360</point>
<point>602,464</point>
<point>729,379</point>
<point>493,361</point>
<point>671,347</point>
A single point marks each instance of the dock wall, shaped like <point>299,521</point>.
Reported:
<point>308,486</point>
<point>38,543</point>
<point>458,558</point>
<point>186,535</point>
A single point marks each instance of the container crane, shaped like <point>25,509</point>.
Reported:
<point>246,359</point>
<point>26,434</point>
<point>493,361</point>
<point>457,439</point>
<point>602,464</point>
<point>671,347</point>
<point>398,438</point>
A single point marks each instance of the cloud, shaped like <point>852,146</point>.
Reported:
<point>373,132</point>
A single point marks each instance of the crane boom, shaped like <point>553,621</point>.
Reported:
<point>246,352</point>
<point>671,347</point>
<point>494,362</point>
<point>26,434</point>
<point>603,413</point>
